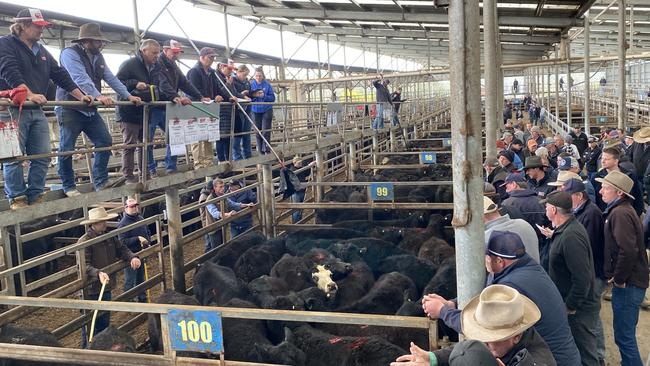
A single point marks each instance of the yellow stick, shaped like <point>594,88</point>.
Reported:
<point>92,323</point>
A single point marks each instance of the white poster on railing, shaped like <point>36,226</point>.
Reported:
<point>214,133</point>
<point>334,113</point>
<point>9,143</point>
<point>202,123</point>
<point>192,133</point>
<point>176,131</point>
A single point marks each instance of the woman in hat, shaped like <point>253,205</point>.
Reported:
<point>100,255</point>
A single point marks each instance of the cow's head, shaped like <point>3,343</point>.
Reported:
<point>322,277</point>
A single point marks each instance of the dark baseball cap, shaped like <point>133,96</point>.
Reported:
<point>513,177</point>
<point>517,142</point>
<point>574,186</point>
<point>471,353</point>
<point>207,51</point>
<point>559,199</point>
<point>510,155</point>
<point>505,244</point>
<point>567,163</point>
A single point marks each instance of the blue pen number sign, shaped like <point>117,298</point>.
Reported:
<point>428,158</point>
<point>382,192</point>
<point>198,331</point>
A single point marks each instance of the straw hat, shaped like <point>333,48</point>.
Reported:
<point>642,136</point>
<point>563,176</point>
<point>98,214</point>
<point>618,180</point>
<point>90,31</point>
<point>498,313</point>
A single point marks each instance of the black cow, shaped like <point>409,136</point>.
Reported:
<point>113,339</point>
<point>153,320</point>
<point>215,284</point>
<point>444,282</point>
<point>228,255</point>
<point>22,335</point>
<point>386,296</point>
<point>419,270</point>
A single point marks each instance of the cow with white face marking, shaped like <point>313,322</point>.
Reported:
<point>323,279</point>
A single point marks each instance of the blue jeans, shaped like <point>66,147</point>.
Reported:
<point>238,229</point>
<point>34,138</point>
<point>133,278</point>
<point>378,122</point>
<point>71,124</point>
<point>625,306</point>
<point>157,119</point>
<point>600,286</point>
<point>394,118</point>
<point>102,322</point>
<point>241,148</point>
<point>223,148</point>
<point>213,240</point>
<point>263,122</point>
<point>297,197</point>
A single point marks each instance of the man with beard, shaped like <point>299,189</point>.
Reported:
<point>85,63</point>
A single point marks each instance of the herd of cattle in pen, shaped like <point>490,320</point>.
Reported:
<point>358,265</point>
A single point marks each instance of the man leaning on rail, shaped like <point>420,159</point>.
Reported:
<point>25,63</point>
<point>85,63</point>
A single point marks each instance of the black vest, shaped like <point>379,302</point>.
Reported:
<point>95,72</point>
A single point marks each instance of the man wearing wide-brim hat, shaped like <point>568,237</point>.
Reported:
<point>626,262</point>
<point>100,255</point>
<point>539,179</point>
<point>639,153</point>
<point>87,66</point>
<point>502,319</point>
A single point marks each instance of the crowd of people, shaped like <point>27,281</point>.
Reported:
<point>151,75</point>
<point>388,104</point>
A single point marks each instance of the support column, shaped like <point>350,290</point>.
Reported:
<point>268,203</point>
<point>352,166</point>
<point>320,173</point>
<point>136,27</point>
<point>557,84</point>
<point>175,233</point>
<point>586,112</point>
<point>282,66</point>
<point>377,54</point>
<point>491,100</point>
<point>320,85</point>
<point>225,27</point>
<point>465,80</point>
<point>568,83</point>
<point>622,105</point>
<point>499,62</point>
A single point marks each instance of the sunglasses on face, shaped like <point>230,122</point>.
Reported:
<point>132,206</point>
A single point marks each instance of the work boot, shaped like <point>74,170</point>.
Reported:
<point>39,199</point>
<point>18,202</point>
<point>646,303</point>
<point>73,193</point>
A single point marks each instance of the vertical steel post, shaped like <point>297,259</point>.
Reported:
<point>320,85</point>
<point>465,80</point>
<point>282,65</point>
<point>136,27</point>
<point>569,110</point>
<point>557,83</point>
<point>377,53</point>
<point>499,61</point>
<point>175,232</point>
<point>631,27</point>
<point>329,64</point>
<point>586,112</point>
<point>491,99</point>
<point>622,100</point>
<point>269,199</point>
<point>320,172</point>
<point>353,160</point>
<point>225,27</point>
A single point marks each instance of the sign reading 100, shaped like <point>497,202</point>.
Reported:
<point>198,331</point>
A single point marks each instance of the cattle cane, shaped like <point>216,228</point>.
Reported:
<point>92,323</point>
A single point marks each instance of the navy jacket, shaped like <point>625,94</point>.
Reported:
<point>130,238</point>
<point>383,95</point>
<point>542,188</point>
<point>205,82</point>
<point>19,65</point>
<point>590,216</point>
<point>530,279</point>
<point>235,201</point>
<point>640,156</point>
<point>527,201</point>
<point>172,79</point>
<point>130,73</point>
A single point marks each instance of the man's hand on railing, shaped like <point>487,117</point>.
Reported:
<point>135,100</point>
<point>182,100</point>
<point>218,99</point>
<point>107,101</point>
<point>141,85</point>
<point>36,98</point>
<point>206,100</point>
<point>87,99</point>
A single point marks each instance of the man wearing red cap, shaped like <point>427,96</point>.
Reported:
<point>25,63</point>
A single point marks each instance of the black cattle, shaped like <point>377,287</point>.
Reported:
<point>419,270</point>
<point>22,335</point>
<point>263,290</point>
<point>297,236</point>
<point>386,296</point>
<point>216,285</point>
<point>228,255</point>
<point>370,250</point>
<point>37,247</point>
<point>436,251</point>
<point>314,299</point>
<point>339,268</point>
<point>300,248</point>
<point>413,238</point>
<point>324,349</point>
<point>444,282</point>
<point>355,285</point>
<point>294,271</point>
<point>246,340</point>
<point>276,247</point>
<point>113,339</point>
<point>255,262</point>
<point>153,320</point>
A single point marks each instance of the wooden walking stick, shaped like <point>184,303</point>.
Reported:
<point>92,323</point>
